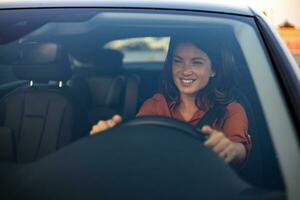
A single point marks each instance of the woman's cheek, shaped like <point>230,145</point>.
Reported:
<point>175,76</point>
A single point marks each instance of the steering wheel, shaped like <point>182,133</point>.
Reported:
<point>167,122</point>
<point>149,157</point>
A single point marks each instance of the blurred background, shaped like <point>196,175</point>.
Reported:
<point>284,15</point>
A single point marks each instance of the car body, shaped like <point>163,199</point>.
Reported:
<point>52,45</point>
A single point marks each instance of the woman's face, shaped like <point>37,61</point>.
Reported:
<point>191,69</point>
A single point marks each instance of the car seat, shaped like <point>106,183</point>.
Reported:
<point>41,117</point>
<point>108,90</point>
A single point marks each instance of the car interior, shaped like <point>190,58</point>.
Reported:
<point>54,90</point>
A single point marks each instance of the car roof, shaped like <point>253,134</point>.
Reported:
<point>231,6</point>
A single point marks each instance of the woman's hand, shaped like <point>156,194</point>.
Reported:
<point>103,125</point>
<point>229,151</point>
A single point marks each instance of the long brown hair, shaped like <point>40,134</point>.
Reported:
<point>218,91</point>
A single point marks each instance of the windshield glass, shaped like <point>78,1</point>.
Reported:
<point>105,43</point>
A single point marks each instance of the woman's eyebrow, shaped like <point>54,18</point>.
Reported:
<point>198,58</point>
<point>178,57</point>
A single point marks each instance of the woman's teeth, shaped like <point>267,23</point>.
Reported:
<point>187,81</point>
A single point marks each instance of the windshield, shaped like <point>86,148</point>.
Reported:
<point>98,44</point>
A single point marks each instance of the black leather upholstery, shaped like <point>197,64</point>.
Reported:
<point>41,121</point>
<point>105,85</point>
<point>41,118</point>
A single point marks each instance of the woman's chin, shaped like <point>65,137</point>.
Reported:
<point>188,92</point>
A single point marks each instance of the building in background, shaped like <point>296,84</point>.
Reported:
<point>291,36</point>
<point>284,15</point>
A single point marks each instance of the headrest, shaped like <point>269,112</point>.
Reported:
<point>42,62</point>
<point>108,61</point>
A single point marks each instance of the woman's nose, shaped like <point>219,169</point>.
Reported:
<point>187,69</point>
<point>187,72</point>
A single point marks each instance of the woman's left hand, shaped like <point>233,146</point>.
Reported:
<point>219,143</point>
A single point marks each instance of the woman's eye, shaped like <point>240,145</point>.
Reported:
<point>197,63</point>
<point>177,61</point>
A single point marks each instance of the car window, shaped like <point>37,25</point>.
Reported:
<point>104,43</point>
<point>142,49</point>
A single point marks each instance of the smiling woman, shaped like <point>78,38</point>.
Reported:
<point>191,86</point>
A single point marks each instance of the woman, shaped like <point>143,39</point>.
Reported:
<point>195,79</point>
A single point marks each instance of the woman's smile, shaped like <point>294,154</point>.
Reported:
<point>187,81</point>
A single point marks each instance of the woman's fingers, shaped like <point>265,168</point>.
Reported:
<point>114,121</point>
<point>110,123</point>
<point>228,154</point>
<point>117,119</point>
<point>100,126</point>
<point>214,136</point>
<point>207,129</point>
<point>104,125</point>
<point>220,144</point>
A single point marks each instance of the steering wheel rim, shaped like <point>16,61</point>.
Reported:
<point>168,122</point>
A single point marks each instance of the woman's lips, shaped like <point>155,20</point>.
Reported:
<point>186,81</point>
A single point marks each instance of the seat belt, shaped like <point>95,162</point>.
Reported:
<point>211,116</point>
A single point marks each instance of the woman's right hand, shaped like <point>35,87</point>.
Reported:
<point>103,125</point>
